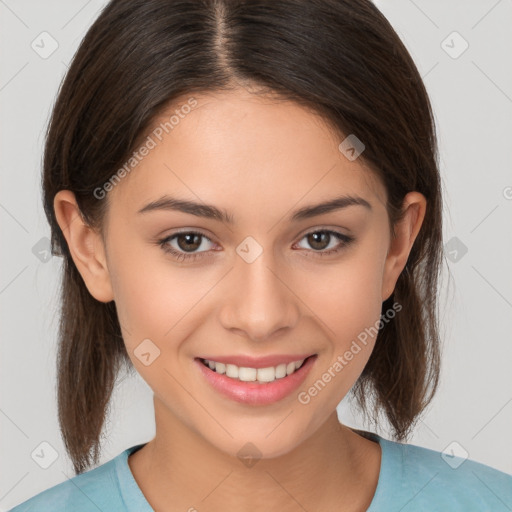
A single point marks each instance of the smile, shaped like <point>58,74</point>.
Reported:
<point>255,381</point>
<point>248,374</point>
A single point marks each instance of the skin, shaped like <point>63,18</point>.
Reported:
<point>259,159</point>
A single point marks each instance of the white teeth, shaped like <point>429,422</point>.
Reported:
<point>231,371</point>
<point>255,374</point>
<point>266,374</point>
<point>281,371</point>
<point>247,374</point>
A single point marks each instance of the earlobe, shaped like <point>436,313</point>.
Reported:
<point>85,245</point>
<point>406,232</point>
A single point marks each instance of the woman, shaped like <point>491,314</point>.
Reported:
<point>247,199</point>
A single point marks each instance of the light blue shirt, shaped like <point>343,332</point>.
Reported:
<point>411,479</point>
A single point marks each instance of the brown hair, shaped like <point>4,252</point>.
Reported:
<point>341,58</point>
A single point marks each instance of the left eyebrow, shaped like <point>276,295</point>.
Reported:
<point>337,203</point>
<point>212,212</point>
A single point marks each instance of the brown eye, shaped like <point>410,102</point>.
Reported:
<point>191,241</point>
<point>321,240</point>
<point>187,243</point>
<point>318,240</point>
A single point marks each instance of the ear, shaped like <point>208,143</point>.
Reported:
<point>406,231</point>
<point>85,245</point>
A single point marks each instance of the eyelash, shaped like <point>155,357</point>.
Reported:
<point>181,256</point>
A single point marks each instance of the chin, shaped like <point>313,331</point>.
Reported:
<point>262,444</point>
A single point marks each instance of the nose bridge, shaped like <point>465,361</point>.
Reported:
<point>259,303</point>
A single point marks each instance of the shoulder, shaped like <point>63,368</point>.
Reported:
<point>424,479</point>
<point>96,489</point>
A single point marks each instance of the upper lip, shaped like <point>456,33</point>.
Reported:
<point>258,362</point>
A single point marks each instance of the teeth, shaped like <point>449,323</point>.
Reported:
<point>247,374</point>
<point>281,371</point>
<point>231,371</point>
<point>254,374</point>
<point>266,374</point>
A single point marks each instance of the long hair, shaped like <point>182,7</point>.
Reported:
<point>340,58</point>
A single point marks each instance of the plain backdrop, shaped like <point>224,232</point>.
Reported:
<point>462,50</point>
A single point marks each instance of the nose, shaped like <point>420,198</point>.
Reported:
<point>259,300</point>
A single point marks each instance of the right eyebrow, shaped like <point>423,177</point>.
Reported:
<point>182,205</point>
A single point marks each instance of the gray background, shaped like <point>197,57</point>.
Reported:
<point>471,95</point>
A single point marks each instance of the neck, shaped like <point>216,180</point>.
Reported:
<point>179,467</point>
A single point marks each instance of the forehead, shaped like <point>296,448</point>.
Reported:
<point>237,148</point>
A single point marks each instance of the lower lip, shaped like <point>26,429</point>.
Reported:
<point>255,393</point>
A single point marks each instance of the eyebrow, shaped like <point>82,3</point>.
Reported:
<point>212,212</point>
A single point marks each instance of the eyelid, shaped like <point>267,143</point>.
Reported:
<point>192,229</point>
<point>321,227</point>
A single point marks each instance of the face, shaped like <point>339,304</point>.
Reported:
<point>264,283</point>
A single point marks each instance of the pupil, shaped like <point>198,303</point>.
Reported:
<point>189,237</point>
<point>315,236</point>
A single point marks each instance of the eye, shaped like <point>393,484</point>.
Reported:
<point>321,240</point>
<point>186,241</point>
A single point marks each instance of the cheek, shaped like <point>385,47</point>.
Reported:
<point>151,304</point>
<point>157,300</point>
<point>148,300</point>
<point>347,296</point>
<point>348,308</point>
<point>346,300</point>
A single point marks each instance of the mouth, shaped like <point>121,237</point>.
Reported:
<point>259,384</point>
<point>252,374</point>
